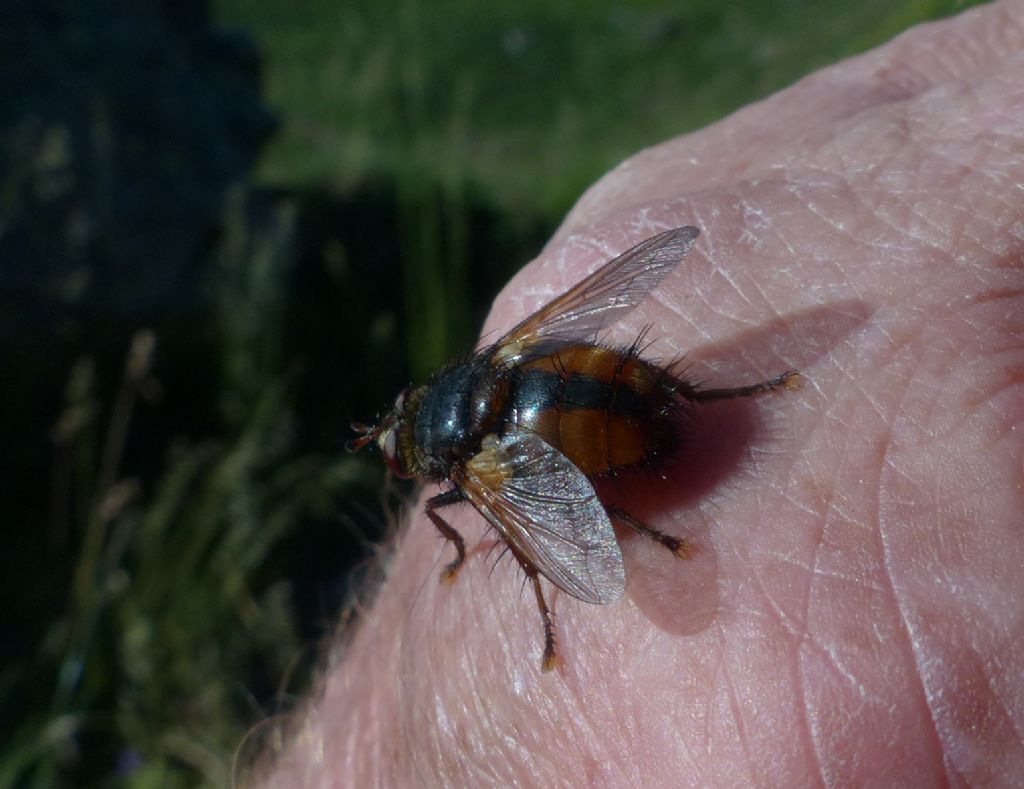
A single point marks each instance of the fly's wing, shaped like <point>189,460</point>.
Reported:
<point>601,298</point>
<point>548,512</point>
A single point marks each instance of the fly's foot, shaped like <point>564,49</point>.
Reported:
<point>451,571</point>
<point>680,548</point>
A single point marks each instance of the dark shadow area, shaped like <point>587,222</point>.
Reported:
<point>802,339</point>
<point>681,595</point>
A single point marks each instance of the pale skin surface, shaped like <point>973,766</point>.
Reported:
<point>854,613</point>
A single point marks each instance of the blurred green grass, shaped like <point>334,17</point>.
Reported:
<point>528,101</point>
<point>425,149</point>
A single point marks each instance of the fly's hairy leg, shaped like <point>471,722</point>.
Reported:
<point>436,502</point>
<point>550,659</point>
<point>677,546</point>
<point>788,380</point>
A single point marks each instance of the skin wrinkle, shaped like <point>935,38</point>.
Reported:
<point>738,718</point>
<point>816,544</point>
<point>833,661</point>
<point>817,581</point>
<point>968,214</point>
<point>912,638</point>
<point>1008,387</point>
<point>966,428</point>
<point>585,731</point>
<point>718,706</point>
<point>505,730</point>
<point>791,766</point>
<point>1003,707</point>
<point>969,357</point>
<point>881,422</point>
<point>460,749</point>
<point>483,693</point>
<point>774,607</point>
<point>849,580</point>
<point>723,668</point>
<point>806,729</point>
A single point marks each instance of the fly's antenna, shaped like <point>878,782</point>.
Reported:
<point>367,435</point>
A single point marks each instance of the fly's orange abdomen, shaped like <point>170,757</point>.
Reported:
<point>603,408</point>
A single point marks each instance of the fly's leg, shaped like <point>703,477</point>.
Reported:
<point>679,548</point>
<point>443,500</point>
<point>788,380</point>
<point>550,659</point>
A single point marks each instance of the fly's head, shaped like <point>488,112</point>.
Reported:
<point>394,435</point>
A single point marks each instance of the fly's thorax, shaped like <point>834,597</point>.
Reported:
<point>460,405</point>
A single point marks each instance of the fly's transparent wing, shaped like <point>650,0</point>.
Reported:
<point>548,512</point>
<point>601,298</point>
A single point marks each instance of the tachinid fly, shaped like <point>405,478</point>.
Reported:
<point>522,428</point>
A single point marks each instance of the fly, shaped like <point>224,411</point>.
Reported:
<point>522,428</point>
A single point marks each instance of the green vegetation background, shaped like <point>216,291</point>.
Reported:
<point>225,231</point>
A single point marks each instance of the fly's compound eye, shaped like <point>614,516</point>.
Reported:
<point>388,443</point>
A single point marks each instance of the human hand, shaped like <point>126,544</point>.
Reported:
<point>854,613</point>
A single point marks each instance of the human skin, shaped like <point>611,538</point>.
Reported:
<point>854,611</point>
